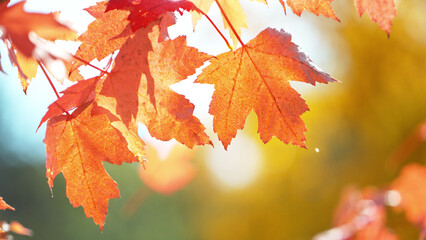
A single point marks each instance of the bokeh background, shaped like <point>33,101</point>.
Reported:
<point>254,190</point>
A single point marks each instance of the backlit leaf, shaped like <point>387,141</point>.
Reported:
<point>137,89</point>
<point>77,145</point>
<point>257,77</point>
<point>380,11</point>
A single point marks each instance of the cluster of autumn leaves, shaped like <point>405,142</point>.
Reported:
<point>97,119</point>
<point>12,227</point>
<point>362,213</point>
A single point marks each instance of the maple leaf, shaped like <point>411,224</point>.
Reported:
<point>109,31</point>
<point>106,34</point>
<point>143,12</point>
<point>256,76</point>
<point>166,176</point>
<point>17,31</point>
<point>380,11</point>
<point>4,205</point>
<point>318,7</point>
<point>410,184</point>
<point>76,145</point>
<point>232,9</point>
<point>137,89</point>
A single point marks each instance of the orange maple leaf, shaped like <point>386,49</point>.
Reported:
<point>137,89</point>
<point>18,33</point>
<point>380,11</point>
<point>107,33</point>
<point>77,144</point>
<point>410,184</point>
<point>257,77</point>
<point>166,176</point>
<point>317,7</point>
<point>4,205</point>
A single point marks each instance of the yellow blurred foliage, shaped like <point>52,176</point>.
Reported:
<point>355,126</point>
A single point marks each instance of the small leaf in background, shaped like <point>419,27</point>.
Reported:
<point>411,186</point>
<point>4,205</point>
<point>166,176</point>
<point>380,11</point>
<point>360,215</point>
<point>14,226</point>
<point>27,34</point>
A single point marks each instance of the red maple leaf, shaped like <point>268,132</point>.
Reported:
<point>256,76</point>
<point>143,12</point>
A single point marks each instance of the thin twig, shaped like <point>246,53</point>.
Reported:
<point>87,63</point>
<point>51,84</point>
<point>217,29</point>
<point>229,23</point>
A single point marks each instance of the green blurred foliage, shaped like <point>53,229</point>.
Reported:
<point>355,124</point>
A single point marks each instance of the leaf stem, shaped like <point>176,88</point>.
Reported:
<point>229,23</point>
<point>48,78</point>
<point>217,29</point>
<point>51,84</point>
<point>87,63</point>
